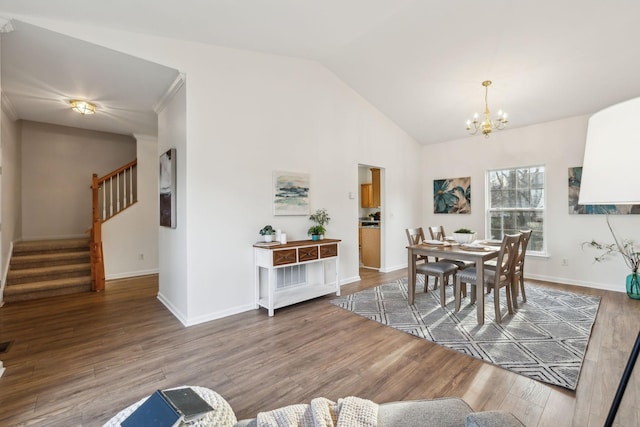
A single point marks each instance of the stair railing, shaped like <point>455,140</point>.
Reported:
<point>111,194</point>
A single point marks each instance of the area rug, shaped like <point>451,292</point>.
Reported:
<point>546,339</point>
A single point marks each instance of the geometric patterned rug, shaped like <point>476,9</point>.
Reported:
<point>546,339</point>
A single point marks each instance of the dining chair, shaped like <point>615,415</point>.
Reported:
<point>494,279</point>
<point>415,236</point>
<point>518,268</point>
<point>437,233</point>
<point>440,271</point>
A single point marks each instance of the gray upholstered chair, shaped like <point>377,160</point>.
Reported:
<point>415,236</point>
<point>494,279</point>
<point>440,270</point>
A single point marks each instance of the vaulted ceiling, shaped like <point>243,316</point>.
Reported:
<point>420,62</point>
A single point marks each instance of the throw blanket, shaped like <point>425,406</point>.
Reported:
<point>321,412</point>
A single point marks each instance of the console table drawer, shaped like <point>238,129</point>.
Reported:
<point>327,251</point>
<point>285,256</point>
<point>307,254</point>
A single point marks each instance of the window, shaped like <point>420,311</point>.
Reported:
<point>516,202</point>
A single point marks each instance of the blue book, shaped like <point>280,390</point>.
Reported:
<point>156,411</point>
<point>167,408</point>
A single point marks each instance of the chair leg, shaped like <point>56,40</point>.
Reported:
<point>445,282</point>
<point>456,293</point>
<point>512,289</point>
<point>426,283</point>
<point>496,303</point>
<point>507,291</point>
<point>524,295</point>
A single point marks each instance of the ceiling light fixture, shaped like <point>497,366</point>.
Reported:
<point>83,107</point>
<point>488,124</point>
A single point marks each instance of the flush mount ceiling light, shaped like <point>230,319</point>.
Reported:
<point>82,107</point>
<point>488,124</point>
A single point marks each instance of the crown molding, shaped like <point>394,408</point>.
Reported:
<point>168,95</point>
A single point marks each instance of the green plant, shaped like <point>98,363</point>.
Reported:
<point>320,217</point>
<point>316,229</point>
<point>464,231</point>
<point>267,230</point>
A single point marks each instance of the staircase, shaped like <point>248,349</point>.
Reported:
<point>45,268</point>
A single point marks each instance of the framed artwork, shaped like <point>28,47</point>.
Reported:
<point>452,195</point>
<point>168,188</point>
<point>575,178</point>
<point>290,193</point>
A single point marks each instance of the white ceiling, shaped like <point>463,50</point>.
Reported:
<point>421,62</point>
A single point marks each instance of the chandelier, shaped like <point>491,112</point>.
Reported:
<point>488,124</point>
<point>82,107</point>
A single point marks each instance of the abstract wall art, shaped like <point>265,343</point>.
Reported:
<point>290,193</point>
<point>168,188</point>
<point>452,195</point>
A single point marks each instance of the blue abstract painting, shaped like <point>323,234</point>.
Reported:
<point>290,193</point>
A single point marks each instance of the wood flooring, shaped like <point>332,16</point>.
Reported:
<point>77,360</point>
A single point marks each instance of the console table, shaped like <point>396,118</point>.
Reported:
<point>293,272</point>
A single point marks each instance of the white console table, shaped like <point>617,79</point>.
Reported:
<point>293,272</point>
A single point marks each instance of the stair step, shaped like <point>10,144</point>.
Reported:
<point>19,262</point>
<point>47,288</point>
<point>46,246</point>
<point>15,277</point>
<point>44,268</point>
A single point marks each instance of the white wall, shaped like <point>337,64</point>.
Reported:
<point>57,165</point>
<point>174,286</point>
<point>130,239</point>
<point>10,187</point>
<point>558,145</point>
<point>247,115</point>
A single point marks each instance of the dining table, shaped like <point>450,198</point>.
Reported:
<point>451,250</point>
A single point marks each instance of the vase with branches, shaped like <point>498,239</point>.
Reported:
<point>630,255</point>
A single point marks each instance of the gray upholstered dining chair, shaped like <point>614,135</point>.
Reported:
<point>440,270</point>
<point>415,236</point>
<point>494,279</point>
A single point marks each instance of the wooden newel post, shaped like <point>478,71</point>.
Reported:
<point>97,261</point>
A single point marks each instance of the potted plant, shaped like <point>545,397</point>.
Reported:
<point>267,231</point>
<point>464,235</point>
<point>316,232</point>
<point>630,255</point>
<point>321,218</point>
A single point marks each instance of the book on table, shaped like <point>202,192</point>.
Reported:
<point>167,408</point>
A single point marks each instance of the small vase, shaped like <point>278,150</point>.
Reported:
<point>633,285</point>
<point>268,237</point>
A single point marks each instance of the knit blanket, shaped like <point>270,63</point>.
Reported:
<point>321,412</point>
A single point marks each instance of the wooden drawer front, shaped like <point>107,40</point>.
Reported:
<point>327,251</point>
<point>285,256</point>
<point>308,253</point>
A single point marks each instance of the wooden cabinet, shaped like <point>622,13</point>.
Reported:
<point>370,193</point>
<point>366,195</point>
<point>375,187</point>
<point>371,247</point>
<point>297,271</point>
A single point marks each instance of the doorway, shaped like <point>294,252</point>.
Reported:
<point>370,218</point>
